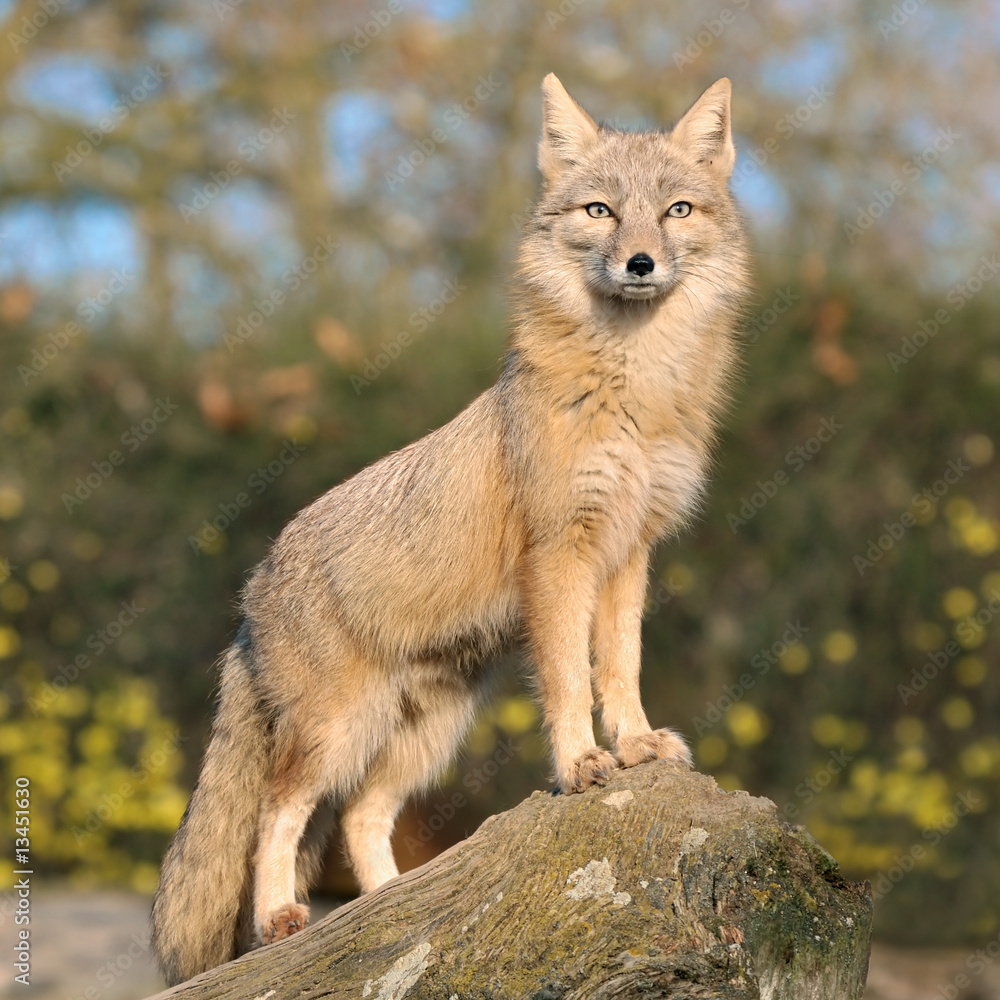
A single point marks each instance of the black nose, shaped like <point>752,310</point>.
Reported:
<point>640,264</point>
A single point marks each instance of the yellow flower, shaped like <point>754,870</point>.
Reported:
<point>982,758</point>
<point>10,641</point>
<point>912,759</point>
<point>711,750</point>
<point>829,730</point>
<point>957,713</point>
<point>970,671</point>
<point>677,578</point>
<point>43,575</point>
<point>928,636</point>
<point>14,597</point>
<point>795,659</point>
<point>747,725</point>
<point>517,715</point>
<point>908,730</point>
<point>978,449</point>
<point>980,536</point>
<point>97,741</point>
<point>839,646</point>
<point>959,602</point>
<point>959,511</point>
<point>11,502</point>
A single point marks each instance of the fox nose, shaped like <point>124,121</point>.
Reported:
<point>640,264</point>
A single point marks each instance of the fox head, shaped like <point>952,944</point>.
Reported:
<point>629,218</point>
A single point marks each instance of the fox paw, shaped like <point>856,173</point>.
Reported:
<point>657,744</point>
<point>283,922</point>
<point>591,768</point>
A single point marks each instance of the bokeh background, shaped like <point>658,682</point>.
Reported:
<point>246,248</point>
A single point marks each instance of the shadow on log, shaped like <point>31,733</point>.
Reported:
<point>658,885</point>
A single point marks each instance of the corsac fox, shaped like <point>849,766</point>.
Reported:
<point>369,630</point>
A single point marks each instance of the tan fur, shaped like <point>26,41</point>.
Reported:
<point>369,628</point>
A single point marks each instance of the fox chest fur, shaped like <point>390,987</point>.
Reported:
<point>623,447</point>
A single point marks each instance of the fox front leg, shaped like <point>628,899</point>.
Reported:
<point>617,662</point>
<point>560,597</point>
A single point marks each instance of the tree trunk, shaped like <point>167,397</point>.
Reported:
<point>659,885</point>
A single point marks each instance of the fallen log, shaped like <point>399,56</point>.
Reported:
<point>658,885</point>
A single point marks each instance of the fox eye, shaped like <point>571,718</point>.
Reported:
<point>679,209</point>
<point>598,210</point>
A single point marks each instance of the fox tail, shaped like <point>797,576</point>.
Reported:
<point>203,908</point>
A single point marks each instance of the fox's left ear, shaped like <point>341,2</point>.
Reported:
<point>567,130</point>
<point>705,129</point>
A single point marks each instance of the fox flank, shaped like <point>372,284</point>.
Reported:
<point>370,630</point>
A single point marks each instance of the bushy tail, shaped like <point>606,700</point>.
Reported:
<point>202,912</point>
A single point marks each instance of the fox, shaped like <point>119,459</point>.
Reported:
<point>371,631</point>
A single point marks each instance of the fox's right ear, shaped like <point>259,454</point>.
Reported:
<point>567,130</point>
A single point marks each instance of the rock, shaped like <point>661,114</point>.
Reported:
<point>658,885</point>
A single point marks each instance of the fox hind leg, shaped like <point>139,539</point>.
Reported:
<point>436,716</point>
<point>312,846</point>
<point>320,759</point>
<point>283,821</point>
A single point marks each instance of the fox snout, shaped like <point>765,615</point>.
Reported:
<point>640,264</point>
<point>641,274</point>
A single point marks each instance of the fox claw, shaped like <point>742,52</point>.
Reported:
<point>593,767</point>
<point>657,744</point>
<point>283,922</point>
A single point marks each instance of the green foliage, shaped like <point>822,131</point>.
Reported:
<point>103,768</point>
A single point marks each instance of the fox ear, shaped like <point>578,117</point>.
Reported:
<point>705,129</point>
<point>567,130</point>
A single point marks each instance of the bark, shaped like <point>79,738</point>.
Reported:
<point>659,885</point>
